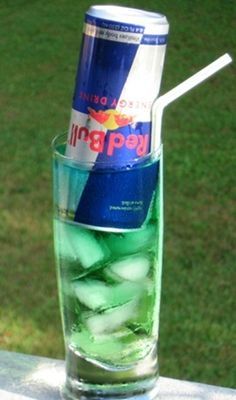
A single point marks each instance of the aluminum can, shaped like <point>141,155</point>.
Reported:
<point>118,79</point>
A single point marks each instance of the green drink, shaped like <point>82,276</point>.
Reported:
<point>109,286</point>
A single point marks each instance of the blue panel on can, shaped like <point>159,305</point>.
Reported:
<point>103,70</point>
<point>118,199</point>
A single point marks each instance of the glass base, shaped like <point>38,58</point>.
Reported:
<point>89,379</point>
<point>135,391</point>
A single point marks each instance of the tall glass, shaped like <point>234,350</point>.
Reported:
<point>109,282</point>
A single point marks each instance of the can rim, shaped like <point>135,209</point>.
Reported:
<point>60,140</point>
<point>127,14</point>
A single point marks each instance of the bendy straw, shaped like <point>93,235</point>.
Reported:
<point>179,90</point>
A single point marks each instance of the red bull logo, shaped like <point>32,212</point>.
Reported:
<point>96,140</point>
<point>110,119</point>
<point>99,142</point>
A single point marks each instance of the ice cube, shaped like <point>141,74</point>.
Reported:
<point>132,268</point>
<point>143,320</point>
<point>132,242</point>
<point>124,292</point>
<point>80,245</point>
<point>97,295</point>
<point>92,293</point>
<point>102,346</point>
<point>112,319</point>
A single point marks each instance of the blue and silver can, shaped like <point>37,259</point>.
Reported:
<point>118,79</point>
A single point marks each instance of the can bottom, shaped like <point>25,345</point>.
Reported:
<point>107,229</point>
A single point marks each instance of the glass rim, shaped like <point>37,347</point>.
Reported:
<point>57,141</point>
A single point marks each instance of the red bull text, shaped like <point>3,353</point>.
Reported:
<point>96,141</point>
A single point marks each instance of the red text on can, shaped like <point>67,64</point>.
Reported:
<point>116,140</point>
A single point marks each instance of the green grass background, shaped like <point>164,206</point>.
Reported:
<point>39,45</point>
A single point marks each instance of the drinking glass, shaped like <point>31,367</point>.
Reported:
<point>108,234</point>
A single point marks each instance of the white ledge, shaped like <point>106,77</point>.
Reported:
<point>25,377</point>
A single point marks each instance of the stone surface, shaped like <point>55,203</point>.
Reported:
<point>24,377</point>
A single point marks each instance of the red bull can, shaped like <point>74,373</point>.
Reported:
<point>118,79</point>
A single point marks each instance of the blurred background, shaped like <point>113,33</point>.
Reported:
<point>39,48</point>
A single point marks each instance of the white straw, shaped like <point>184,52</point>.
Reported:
<point>179,90</point>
